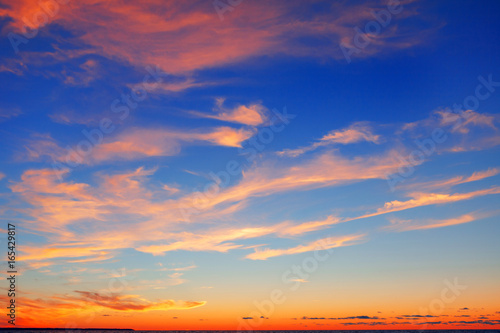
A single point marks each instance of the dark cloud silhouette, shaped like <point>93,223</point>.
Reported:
<point>429,323</point>
<point>361,317</point>
<point>470,322</point>
<point>413,320</point>
<point>415,316</point>
<point>373,323</point>
<point>341,318</point>
<point>313,318</point>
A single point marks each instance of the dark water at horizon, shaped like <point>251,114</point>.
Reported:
<point>243,331</point>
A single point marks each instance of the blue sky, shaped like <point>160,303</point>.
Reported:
<point>367,157</point>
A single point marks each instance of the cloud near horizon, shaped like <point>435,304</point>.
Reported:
<point>43,310</point>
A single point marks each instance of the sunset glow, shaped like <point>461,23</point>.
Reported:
<point>250,165</point>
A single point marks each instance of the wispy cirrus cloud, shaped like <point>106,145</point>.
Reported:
<point>301,228</point>
<point>59,205</point>
<point>197,38</point>
<point>465,120</point>
<point>8,113</point>
<point>355,133</point>
<point>410,225</point>
<point>426,199</point>
<point>135,143</point>
<point>467,131</point>
<point>446,184</point>
<point>219,240</point>
<point>129,302</point>
<point>321,244</point>
<point>140,142</point>
<point>71,117</point>
<point>324,170</point>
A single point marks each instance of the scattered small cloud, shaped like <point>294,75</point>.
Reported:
<point>8,113</point>
<point>252,114</point>
<point>357,132</point>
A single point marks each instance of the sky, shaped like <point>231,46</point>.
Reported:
<point>250,165</point>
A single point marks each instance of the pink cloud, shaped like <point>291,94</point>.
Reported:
<point>184,36</point>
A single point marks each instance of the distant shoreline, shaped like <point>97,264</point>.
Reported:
<point>222,331</point>
<point>64,329</point>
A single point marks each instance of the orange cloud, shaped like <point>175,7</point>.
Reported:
<point>301,228</point>
<point>328,169</point>
<point>59,310</point>
<point>481,175</point>
<point>58,205</point>
<point>218,240</point>
<point>136,143</point>
<point>60,251</point>
<point>253,114</point>
<point>226,136</point>
<point>129,302</point>
<point>354,133</point>
<point>444,184</point>
<point>55,204</point>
